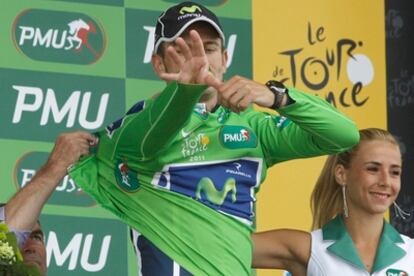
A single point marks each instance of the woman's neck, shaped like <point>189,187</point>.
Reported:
<point>365,232</point>
<point>364,228</point>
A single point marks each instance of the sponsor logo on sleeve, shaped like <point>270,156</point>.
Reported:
<point>281,121</point>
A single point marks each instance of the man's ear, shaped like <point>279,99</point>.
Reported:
<point>225,58</point>
<point>340,174</point>
<point>157,64</point>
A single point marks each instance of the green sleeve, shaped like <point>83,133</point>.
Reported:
<point>313,127</point>
<point>157,123</point>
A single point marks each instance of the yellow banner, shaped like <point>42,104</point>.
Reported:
<point>334,49</point>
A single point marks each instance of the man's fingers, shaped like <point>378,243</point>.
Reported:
<point>172,52</point>
<point>212,81</point>
<point>198,47</point>
<point>90,138</point>
<point>237,97</point>
<point>229,83</point>
<point>168,77</point>
<point>184,48</point>
<point>245,102</point>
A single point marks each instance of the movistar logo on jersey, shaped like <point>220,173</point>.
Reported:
<point>236,137</point>
<point>226,186</point>
<point>396,272</point>
<point>125,177</point>
<point>213,195</point>
<point>57,36</point>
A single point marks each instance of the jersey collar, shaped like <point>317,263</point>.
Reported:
<point>387,252</point>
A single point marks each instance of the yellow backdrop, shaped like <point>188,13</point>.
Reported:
<point>335,49</point>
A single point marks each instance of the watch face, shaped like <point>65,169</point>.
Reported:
<point>277,86</point>
<point>280,89</point>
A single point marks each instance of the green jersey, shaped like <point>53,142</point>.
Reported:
<point>186,178</point>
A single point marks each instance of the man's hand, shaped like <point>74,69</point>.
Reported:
<point>69,147</point>
<point>24,208</point>
<point>193,62</point>
<point>239,92</point>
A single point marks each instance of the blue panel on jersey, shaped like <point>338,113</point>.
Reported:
<point>225,186</point>
<point>118,123</point>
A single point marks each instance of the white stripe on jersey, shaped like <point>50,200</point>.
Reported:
<point>135,236</point>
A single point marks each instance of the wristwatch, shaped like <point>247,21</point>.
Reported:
<point>279,90</point>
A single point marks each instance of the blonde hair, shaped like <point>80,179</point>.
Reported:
<point>326,199</point>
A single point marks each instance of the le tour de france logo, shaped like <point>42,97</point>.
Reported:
<point>319,63</point>
<point>57,36</point>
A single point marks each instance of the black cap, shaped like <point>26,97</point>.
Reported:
<point>174,21</point>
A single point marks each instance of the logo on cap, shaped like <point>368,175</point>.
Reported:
<point>191,9</point>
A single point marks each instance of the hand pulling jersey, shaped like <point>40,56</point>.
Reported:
<point>186,178</point>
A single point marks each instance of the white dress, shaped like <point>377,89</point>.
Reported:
<point>333,253</point>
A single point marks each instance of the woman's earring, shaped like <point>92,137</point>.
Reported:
<point>345,204</point>
<point>400,212</point>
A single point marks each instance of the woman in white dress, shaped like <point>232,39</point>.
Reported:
<point>349,201</point>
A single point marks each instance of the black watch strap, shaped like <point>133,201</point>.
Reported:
<point>279,90</point>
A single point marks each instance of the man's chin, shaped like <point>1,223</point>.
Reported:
<point>35,263</point>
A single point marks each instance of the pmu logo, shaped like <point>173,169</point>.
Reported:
<point>396,272</point>
<point>93,246</point>
<point>47,104</point>
<point>39,106</point>
<point>58,36</point>
<point>236,137</point>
